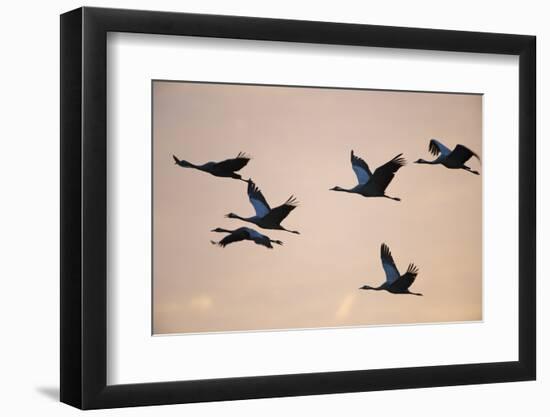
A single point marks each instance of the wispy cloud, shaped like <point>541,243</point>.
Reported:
<point>345,306</point>
<point>201,303</point>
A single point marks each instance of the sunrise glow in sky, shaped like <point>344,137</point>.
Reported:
<point>300,141</point>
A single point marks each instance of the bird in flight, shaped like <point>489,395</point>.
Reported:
<point>454,159</point>
<point>373,184</point>
<point>395,282</point>
<point>226,168</point>
<point>266,217</point>
<point>244,233</point>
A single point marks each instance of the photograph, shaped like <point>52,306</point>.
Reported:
<point>320,208</point>
<point>290,207</point>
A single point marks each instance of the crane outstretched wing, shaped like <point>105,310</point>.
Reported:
<point>437,148</point>
<point>384,174</point>
<point>461,154</point>
<point>361,169</point>
<point>257,199</point>
<point>392,274</point>
<point>278,214</point>
<point>235,236</point>
<point>233,164</point>
<point>407,279</point>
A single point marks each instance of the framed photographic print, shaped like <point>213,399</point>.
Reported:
<point>258,208</point>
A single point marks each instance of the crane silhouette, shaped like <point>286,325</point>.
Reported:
<point>454,159</point>
<point>373,184</point>
<point>244,233</point>
<point>226,168</point>
<point>395,283</point>
<point>266,217</point>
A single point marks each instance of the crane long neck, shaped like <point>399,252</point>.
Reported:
<point>245,219</point>
<point>368,287</point>
<point>221,230</point>
<point>434,162</point>
<point>344,190</point>
<point>187,164</point>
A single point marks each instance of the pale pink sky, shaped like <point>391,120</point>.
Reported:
<point>300,140</point>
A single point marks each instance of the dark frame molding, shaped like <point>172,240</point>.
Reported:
<point>84,209</point>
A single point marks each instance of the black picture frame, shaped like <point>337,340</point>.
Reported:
<point>84,207</point>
